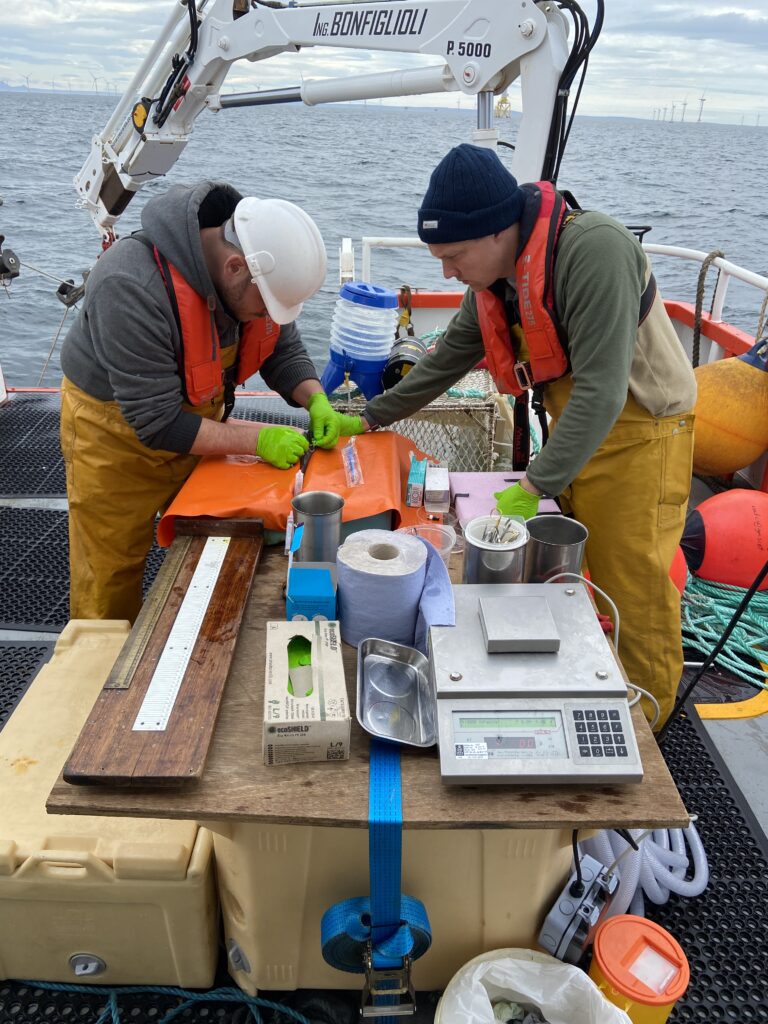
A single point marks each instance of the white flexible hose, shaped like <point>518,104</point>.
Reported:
<point>629,868</point>
<point>653,871</point>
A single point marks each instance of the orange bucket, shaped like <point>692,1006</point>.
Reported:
<point>639,967</point>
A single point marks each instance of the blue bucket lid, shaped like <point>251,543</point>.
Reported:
<point>365,294</point>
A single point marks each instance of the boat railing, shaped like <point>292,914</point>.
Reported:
<point>727,269</point>
<point>727,272</point>
<point>370,242</point>
<point>718,338</point>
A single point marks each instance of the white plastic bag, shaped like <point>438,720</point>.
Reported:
<point>563,993</point>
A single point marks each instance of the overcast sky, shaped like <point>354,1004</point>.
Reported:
<point>651,55</point>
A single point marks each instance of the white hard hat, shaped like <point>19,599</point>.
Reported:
<point>284,252</point>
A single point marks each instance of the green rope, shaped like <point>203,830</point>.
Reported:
<point>707,609</point>
<point>111,1013</point>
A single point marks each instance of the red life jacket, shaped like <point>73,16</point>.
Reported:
<point>203,378</point>
<point>534,274</point>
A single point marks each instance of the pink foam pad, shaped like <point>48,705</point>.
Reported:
<point>472,494</point>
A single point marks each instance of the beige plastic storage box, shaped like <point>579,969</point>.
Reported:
<point>134,895</point>
<point>483,889</point>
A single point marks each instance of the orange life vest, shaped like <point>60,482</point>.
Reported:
<point>203,377</point>
<point>534,274</point>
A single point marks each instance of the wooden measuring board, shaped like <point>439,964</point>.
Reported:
<point>153,721</point>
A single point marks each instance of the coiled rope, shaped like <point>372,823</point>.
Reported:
<point>707,609</point>
<point>707,263</point>
<point>111,1012</point>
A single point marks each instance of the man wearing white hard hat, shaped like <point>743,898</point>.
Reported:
<point>174,317</point>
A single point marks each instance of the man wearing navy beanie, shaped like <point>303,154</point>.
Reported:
<point>470,195</point>
<point>565,302</point>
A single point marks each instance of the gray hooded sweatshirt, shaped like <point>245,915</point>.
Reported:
<point>125,345</point>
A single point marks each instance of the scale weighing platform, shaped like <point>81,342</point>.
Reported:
<point>529,690</point>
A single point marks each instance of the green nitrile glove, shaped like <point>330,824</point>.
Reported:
<point>299,666</point>
<point>324,420</point>
<point>281,446</point>
<point>516,501</point>
<point>350,425</point>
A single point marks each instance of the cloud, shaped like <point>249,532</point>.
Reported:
<point>649,54</point>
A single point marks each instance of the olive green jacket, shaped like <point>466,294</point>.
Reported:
<point>600,273</point>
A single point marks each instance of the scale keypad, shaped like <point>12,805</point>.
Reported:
<point>599,733</point>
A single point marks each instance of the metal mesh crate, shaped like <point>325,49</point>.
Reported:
<point>457,428</point>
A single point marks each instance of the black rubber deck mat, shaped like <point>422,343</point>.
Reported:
<point>34,569</point>
<point>24,1003</point>
<point>30,456</point>
<point>270,409</point>
<point>19,664</point>
<point>723,930</point>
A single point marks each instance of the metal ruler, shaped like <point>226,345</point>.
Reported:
<point>166,680</point>
<point>133,649</point>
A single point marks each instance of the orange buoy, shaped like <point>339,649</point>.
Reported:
<point>731,412</point>
<point>678,571</point>
<point>725,539</point>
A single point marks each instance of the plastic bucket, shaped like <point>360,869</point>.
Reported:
<point>440,537</point>
<point>555,545</point>
<point>320,513</point>
<point>639,967</point>
<point>487,562</point>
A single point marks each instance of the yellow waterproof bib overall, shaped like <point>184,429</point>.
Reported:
<point>116,486</point>
<point>632,497</point>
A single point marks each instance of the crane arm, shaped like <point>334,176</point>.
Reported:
<point>483,45</point>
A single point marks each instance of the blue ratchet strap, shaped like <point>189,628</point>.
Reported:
<point>390,928</point>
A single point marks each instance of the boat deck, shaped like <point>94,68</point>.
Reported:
<point>717,765</point>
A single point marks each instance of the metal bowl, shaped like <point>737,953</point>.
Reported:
<point>394,695</point>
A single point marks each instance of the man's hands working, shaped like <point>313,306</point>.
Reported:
<point>327,425</point>
<point>281,446</point>
<point>324,420</point>
<point>517,501</point>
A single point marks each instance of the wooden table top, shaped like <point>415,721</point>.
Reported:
<point>236,785</point>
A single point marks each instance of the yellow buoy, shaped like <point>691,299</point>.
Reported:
<point>731,412</point>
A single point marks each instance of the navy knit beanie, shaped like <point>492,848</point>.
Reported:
<point>470,195</point>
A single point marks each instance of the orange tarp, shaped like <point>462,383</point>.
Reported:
<point>241,486</point>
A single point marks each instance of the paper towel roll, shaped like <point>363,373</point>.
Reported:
<point>380,580</point>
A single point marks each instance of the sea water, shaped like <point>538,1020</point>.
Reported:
<point>361,170</point>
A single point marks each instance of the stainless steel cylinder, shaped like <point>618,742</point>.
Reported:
<point>488,562</point>
<point>555,545</point>
<point>320,513</point>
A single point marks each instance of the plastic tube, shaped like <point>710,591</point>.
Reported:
<point>668,858</point>
<point>629,876</point>
<point>678,846</point>
<point>658,868</point>
<point>683,887</point>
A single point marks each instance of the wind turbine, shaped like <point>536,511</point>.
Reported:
<point>701,107</point>
<point>27,78</point>
<point>672,117</point>
<point>684,104</point>
<point>95,80</point>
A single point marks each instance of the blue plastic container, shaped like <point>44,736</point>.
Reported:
<point>362,334</point>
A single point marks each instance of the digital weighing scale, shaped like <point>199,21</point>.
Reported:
<point>529,690</point>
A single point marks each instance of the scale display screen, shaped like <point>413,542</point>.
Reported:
<point>505,722</point>
<point>519,735</point>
